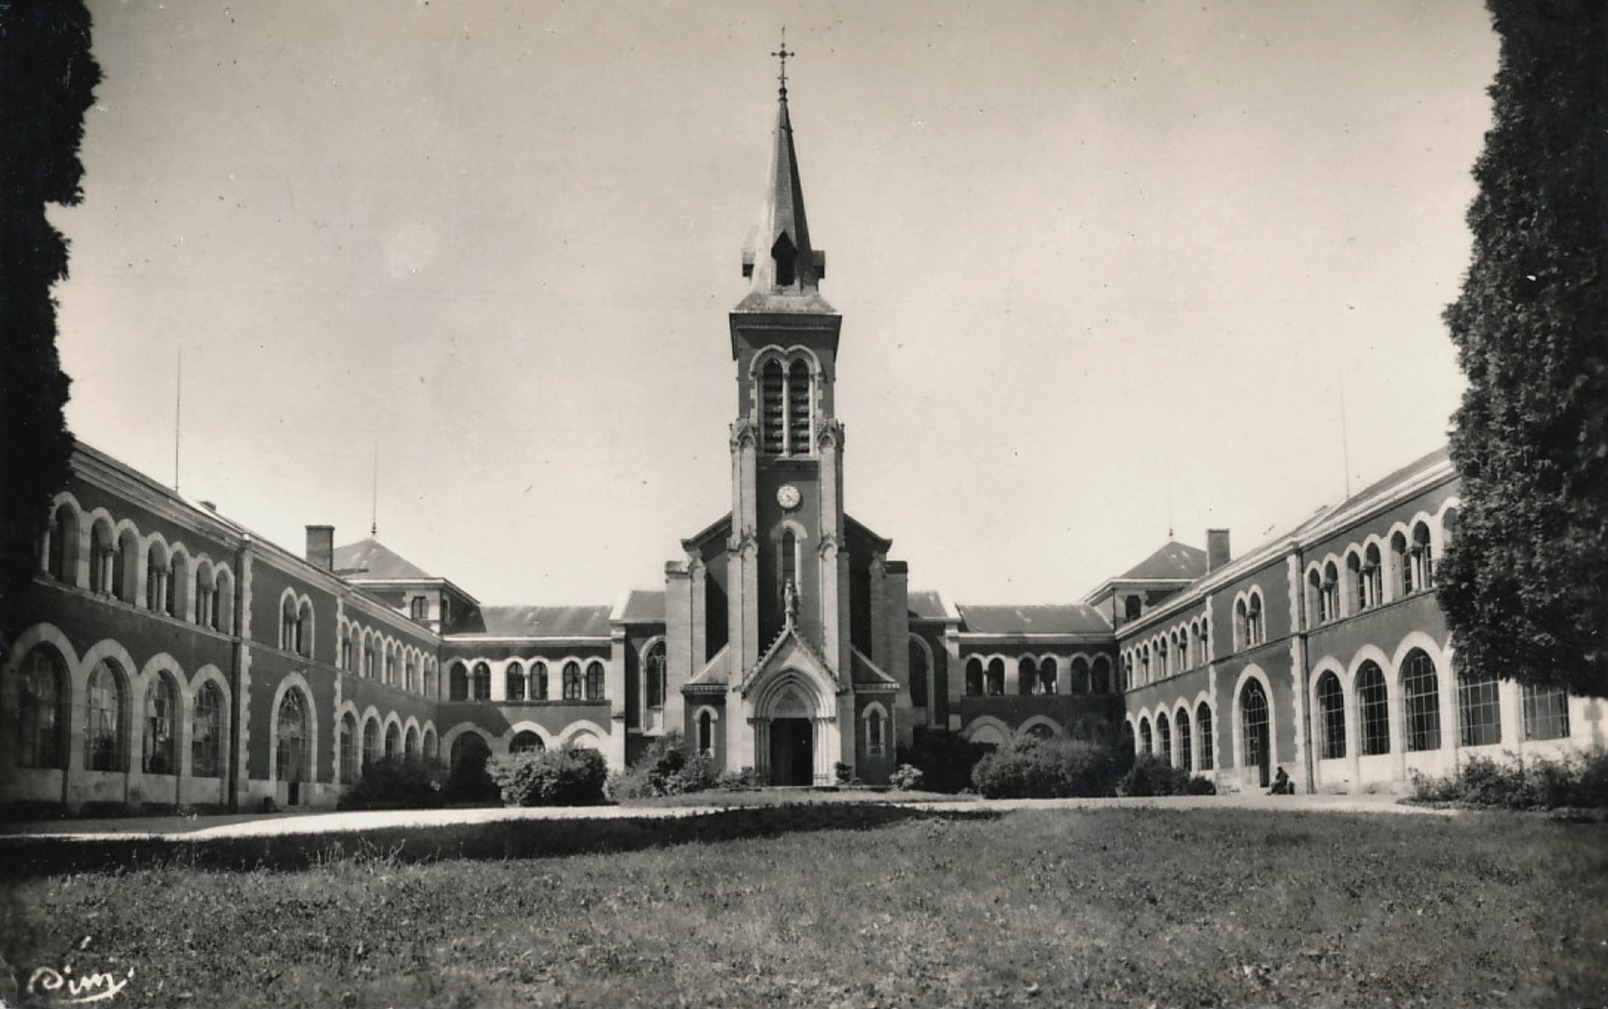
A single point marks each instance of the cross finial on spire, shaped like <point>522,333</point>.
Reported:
<point>782,54</point>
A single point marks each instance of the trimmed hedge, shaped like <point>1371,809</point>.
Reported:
<point>1150,775</point>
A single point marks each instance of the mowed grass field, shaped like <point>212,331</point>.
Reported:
<point>1036,908</point>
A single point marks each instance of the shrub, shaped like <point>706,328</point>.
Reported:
<point>1150,775</point>
<point>906,778</point>
<point>1577,780</point>
<point>1039,769</point>
<point>572,776</point>
<point>665,768</point>
<point>1200,786</point>
<point>397,783</point>
<point>733,781</point>
<point>945,759</point>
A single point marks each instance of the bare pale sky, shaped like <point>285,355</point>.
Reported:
<point>1099,264</point>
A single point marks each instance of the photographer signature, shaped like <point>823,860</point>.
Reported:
<point>97,986</point>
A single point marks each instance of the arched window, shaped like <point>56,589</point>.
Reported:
<point>457,683</point>
<point>1079,676</point>
<point>653,687</point>
<point>419,608</point>
<point>1127,672</point>
<point>1401,557</point>
<point>220,611</point>
<point>1371,589</point>
<point>178,583</point>
<point>1100,675</point>
<point>1331,591</point>
<point>1161,659</point>
<point>304,629</point>
<point>348,749</point>
<point>974,677</point>
<point>1027,676</point>
<point>105,738</point>
<point>1048,676</point>
<point>539,687</point>
<point>411,668</point>
<point>918,674</point>
<point>1546,712</point>
<point>390,665</point>
<point>514,682</point>
<point>1358,584</point>
<point>874,737</point>
<point>1203,724</point>
<point>42,709</point>
<point>572,681</point>
<point>370,646</point>
<point>1315,611</point>
<point>1479,710</point>
<point>1205,643</point>
<point>410,744</point>
<point>482,681</point>
<point>786,407</point>
<point>161,755</point>
<point>1146,741</point>
<point>1186,759</point>
<point>1373,709</point>
<point>206,733</point>
<point>346,652</point>
<point>594,681</point>
<point>1420,695</point>
<point>526,741</point>
<point>102,555</point>
<point>1040,731</point>
<point>1186,658</point>
<point>469,751</point>
<point>1255,631</point>
<point>393,741</point>
<point>287,624</point>
<point>371,742</point>
<point>1163,737</point>
<point>1144,663</point>
<point>706,733</point>
<point>1242,637</point>
<point>156,574</point>
<point>61,556</point>
<point>996,677</point>
<point>290,756</point>
<point>432,745</point>
<point>1423,558</point>
<point>1254,724</point>
<point>1331,717</point>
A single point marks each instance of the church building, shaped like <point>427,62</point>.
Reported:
<point>172,659</point>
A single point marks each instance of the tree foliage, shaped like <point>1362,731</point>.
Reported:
<point>47,82</point>
<point>1524,582</point>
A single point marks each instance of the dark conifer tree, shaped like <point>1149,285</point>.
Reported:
<point>1524,582</point>
<point>47,82</point>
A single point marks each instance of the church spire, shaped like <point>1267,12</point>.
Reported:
<point>781,262</point>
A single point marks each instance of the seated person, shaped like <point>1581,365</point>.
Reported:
<point>1282,785</point>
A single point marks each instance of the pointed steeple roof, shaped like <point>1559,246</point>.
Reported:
<point>785,268</point>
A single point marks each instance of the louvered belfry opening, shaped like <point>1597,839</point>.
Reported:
<point>772,418</point>
<point>798,409</point>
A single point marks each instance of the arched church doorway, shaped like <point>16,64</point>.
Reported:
<point>1254,721</point>
<point>792,751</point>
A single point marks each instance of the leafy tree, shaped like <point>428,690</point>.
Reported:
<point>1524,582</point>
<point>47,81</point>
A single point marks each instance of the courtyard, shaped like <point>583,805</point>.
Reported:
<point>846,903</point>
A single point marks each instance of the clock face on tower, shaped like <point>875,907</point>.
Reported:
<point>787,496</point>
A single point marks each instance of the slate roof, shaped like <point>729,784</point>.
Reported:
<point>1174,560</point>
<point>866,673</point>
<point>372,559</point>
<point>1063,618</point>
<point>535,622</point>
<point>643,607</point>
<point>1401,475</point>
<point>926,606</point>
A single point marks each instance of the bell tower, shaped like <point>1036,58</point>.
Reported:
<point>787,564</point>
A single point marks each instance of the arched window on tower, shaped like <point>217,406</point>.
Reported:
<point>786,408</point>
<point>798,408</point>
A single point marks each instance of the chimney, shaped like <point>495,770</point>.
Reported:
<point>1217,553</point>
<point>321,547</point>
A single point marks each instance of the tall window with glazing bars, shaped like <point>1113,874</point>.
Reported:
<point>786,391</point>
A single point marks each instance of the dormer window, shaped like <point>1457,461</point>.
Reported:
<point>785,254</point>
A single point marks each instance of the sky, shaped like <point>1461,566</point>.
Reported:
<point>1106,269</point>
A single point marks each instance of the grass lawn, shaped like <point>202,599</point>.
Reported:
<point>1042,908</point>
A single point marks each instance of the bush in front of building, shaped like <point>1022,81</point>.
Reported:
<point>665,768</point>
<point>1032,768</point>
<point>570,776</point>
<point>945,759</point>
<point>1150,775</point>
<point>398,783</point>
<point>1574,781</point>
<point>906,778</point>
